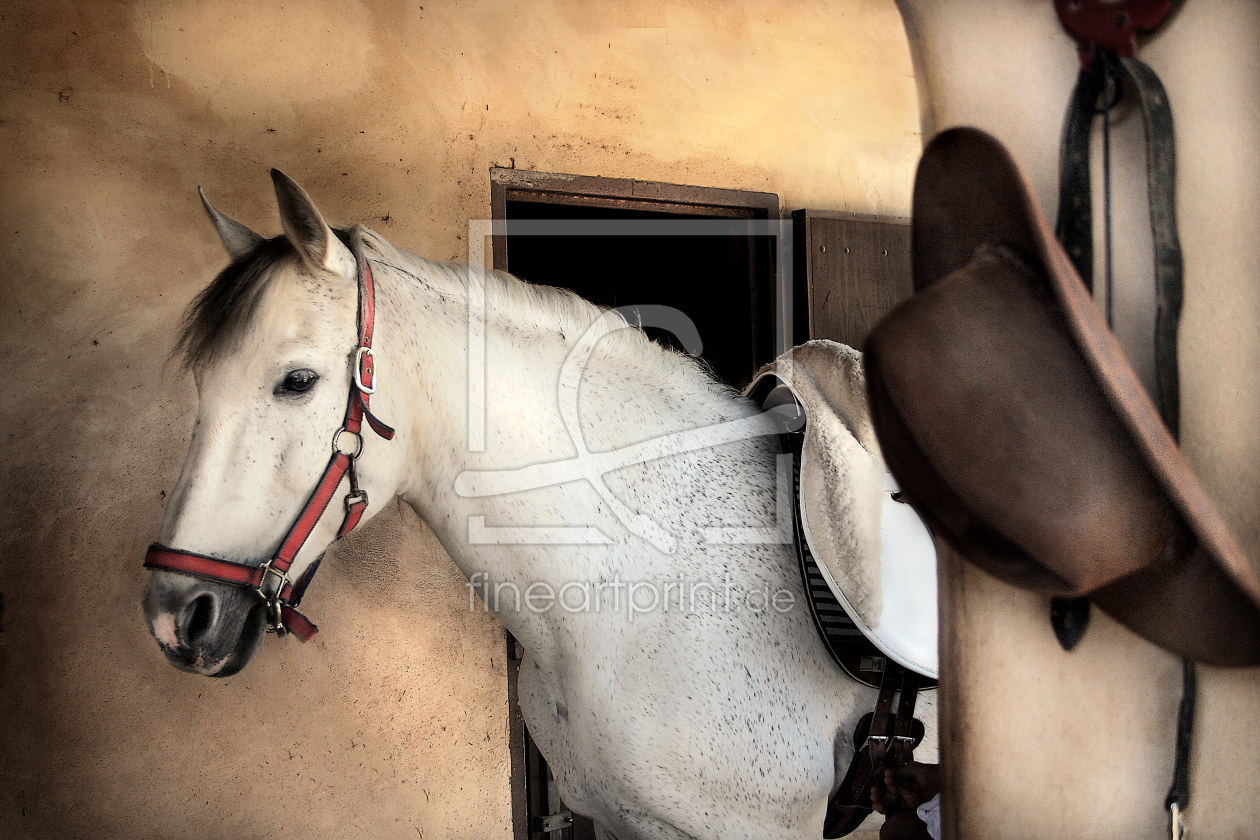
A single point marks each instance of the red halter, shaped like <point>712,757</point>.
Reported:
<point>271,578</point>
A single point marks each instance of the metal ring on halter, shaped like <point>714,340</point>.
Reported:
<point>336,443</point>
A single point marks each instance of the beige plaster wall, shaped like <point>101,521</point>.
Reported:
<point>392,723</point>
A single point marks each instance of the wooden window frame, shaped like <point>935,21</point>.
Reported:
<point>593,191</point>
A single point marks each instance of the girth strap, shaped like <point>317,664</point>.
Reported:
<point>882,740</point>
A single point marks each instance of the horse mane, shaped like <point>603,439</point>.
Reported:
<point>533,309</point>
<point>220,314</point>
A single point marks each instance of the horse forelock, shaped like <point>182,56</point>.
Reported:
<point>220,315</point>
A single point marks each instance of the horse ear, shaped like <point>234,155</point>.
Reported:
<point>308,232</point>
<point>236,237</point>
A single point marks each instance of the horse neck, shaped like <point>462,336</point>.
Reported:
<point>630,392</point>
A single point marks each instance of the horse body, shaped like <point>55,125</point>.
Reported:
<point>679,721</point>
<point>677,689</point>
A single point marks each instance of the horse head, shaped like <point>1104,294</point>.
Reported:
<point>273,349</point>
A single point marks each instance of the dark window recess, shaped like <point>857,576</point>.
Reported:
<point>724,283</point>
<point>709,278</point>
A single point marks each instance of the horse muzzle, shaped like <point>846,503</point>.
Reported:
<point>204,627</point>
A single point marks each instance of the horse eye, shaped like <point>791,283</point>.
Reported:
<point>297,382</point>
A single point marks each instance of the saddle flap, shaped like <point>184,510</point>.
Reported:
<point>876,555</point>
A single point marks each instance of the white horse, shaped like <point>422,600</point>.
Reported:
<point>672,676</point>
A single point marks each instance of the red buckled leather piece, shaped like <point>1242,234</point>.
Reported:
<point>1112,26</point>
<point>238,574</point>
<point>281,604</point>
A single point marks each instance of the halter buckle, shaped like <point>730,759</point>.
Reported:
<point>272,597</point>
<point>275,623</point>
<point>361,354</point>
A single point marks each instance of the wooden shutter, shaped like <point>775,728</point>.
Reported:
<point>849,272</point>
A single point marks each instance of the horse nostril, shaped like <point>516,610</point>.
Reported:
<point>197,617</point>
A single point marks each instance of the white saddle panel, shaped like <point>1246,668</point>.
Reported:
<point>877,556</point>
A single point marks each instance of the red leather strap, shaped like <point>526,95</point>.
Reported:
<point>364,373</point>
<point>354,512</point>
<point>297,624</point>
<point>313,510</point>
<point>1110,24</point>
<point>213,568</point>
<point>367,309</point>
<point>362,385</point>
<point>160,557</point>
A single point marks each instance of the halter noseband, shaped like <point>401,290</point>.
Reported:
<point>271,578</point>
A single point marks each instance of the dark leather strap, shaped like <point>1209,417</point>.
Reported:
<point>1074,226</point>
<point>904,735</point>
<point>881,740</point>
<point>882,722</point>
<point>1161,176</point>
<point>1179,794</point>
<point>1161,179</point>
<point>851,803</point>
<point>1075,231</point>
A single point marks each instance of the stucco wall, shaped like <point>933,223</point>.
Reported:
<point>392,723</point>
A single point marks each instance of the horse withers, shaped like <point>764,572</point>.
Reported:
<point>609,500</point>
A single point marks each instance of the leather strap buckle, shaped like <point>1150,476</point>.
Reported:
<point>361,355</point>
<point>269,573</point>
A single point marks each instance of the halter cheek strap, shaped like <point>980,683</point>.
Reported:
<point>271,578</point>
